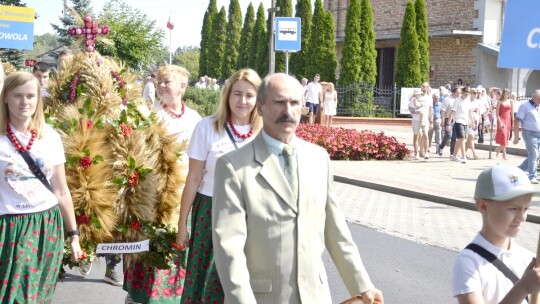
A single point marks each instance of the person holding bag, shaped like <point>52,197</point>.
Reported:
<point>35,202</point>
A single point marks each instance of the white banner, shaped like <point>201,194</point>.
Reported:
<point>123,247</point>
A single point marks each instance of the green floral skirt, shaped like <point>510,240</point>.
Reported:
<point>146,284</point>
<point>202,284</point>
<point>31,250</point>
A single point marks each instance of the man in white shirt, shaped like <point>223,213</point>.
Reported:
<point>314,97</point>
<point>149,92</point>
<point>461,114</point>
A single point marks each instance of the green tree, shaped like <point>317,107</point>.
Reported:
<point>351,61</point>
<point>206,33</point>
<point>423,38</point>
<point>408,57</point>
<point>82,7</point>
<point>326,43</point>
<point>136,39</point>
<point>246,38</point>
<point>285,10</point>
<point>298,59</point>
<point>263,51</point>
<point>234,28</point>
<point>312,65</point>
<point>367,44</point>
<point>43,44</point>
<point>216,48</point>
<point>188,57</point>
<point>259,34</point>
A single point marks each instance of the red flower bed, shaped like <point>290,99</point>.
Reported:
<point>349,144</point>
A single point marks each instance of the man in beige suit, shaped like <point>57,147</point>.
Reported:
<point>268,235</point>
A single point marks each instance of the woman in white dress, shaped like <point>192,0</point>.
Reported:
<point>329,104</point>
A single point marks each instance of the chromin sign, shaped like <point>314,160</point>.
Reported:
<point>16,27</point>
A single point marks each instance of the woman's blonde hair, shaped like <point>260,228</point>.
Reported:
<point>10,83</point>
<point>330,85</point>
<point>173,70</point>
<point>224,111</point>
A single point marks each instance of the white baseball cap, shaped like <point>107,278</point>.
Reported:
<point>502,183</point>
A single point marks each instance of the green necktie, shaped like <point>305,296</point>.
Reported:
<point>290,169</point>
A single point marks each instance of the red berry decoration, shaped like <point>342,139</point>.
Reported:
<point>126,130</point>
<point>135,225</point>
<point>133,179</point>
<point>85,162</point>
<point>82,218</point>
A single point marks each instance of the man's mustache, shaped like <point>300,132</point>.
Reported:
<point>286,118</point>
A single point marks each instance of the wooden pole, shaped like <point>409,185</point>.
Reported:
<point>358,299</point>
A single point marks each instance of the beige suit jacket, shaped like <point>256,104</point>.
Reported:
<point>267,246</point>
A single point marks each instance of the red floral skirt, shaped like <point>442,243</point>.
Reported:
<point>31,250</point>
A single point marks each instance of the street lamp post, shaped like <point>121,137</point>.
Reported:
<point>272,60</point>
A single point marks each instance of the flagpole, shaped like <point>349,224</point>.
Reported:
<point>170,45</point>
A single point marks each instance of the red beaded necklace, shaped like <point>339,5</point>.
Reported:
<point>16,142</point>
<point>174,115</point>
<point>243,136</point>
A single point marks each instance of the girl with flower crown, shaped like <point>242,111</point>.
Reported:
<point>35,205</point>
<point>233,125</point>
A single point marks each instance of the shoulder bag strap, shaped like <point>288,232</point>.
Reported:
<point>490,257</point>
<point>230,136</point>
<point>35,169</point>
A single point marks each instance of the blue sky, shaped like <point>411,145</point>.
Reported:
<point>186,15</point>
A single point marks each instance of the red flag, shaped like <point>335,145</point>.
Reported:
<point>170,25</point>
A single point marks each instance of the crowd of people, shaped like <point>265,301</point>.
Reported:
<point>458,116</point>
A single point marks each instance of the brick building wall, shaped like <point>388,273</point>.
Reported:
<point>451,57</point>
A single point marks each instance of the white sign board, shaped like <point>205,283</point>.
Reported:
<point>123,247</point>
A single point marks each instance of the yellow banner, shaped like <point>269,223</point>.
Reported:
<point>16,13</point>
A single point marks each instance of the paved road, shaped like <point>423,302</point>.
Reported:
<point>407,245</point>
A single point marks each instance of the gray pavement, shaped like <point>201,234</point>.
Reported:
<point>437,179</point>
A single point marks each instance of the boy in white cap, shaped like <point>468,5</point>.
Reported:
<point>494,268</point>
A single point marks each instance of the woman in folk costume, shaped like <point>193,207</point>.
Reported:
<point>34,206</point>
<point>147,284</point>
<point>234,124</point>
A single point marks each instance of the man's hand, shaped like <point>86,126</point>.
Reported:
<point>373,296</point>
<point>516,140</point>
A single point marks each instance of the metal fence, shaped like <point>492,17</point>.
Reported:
<point>364,100</point>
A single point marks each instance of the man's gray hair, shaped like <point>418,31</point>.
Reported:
<point>266,81</point>
<point>536,93</point>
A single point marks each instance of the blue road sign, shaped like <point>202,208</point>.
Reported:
<point>520,43</point>
<point>16,27</point>
<point>288,34</point>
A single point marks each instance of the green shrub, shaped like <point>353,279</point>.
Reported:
<point>204,101</point>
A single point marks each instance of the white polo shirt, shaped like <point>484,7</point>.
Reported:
<point>473,273</point>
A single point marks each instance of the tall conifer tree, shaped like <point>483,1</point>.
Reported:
<point>423,38</point>
<point>351,64</point>
<point>408,57</point>
<point>216,48</point>
<point>259,34</point>
<point>232,42</point>
<point>263,54</point>
<point>245,38</point>
<point>312,65</point>
<point>206,35</point>
<point>368,54</point>
<point>327,48</point>
<point>285,10</point>
<point>298,59</point>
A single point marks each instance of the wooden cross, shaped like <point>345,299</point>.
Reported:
<point>90,31</point>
